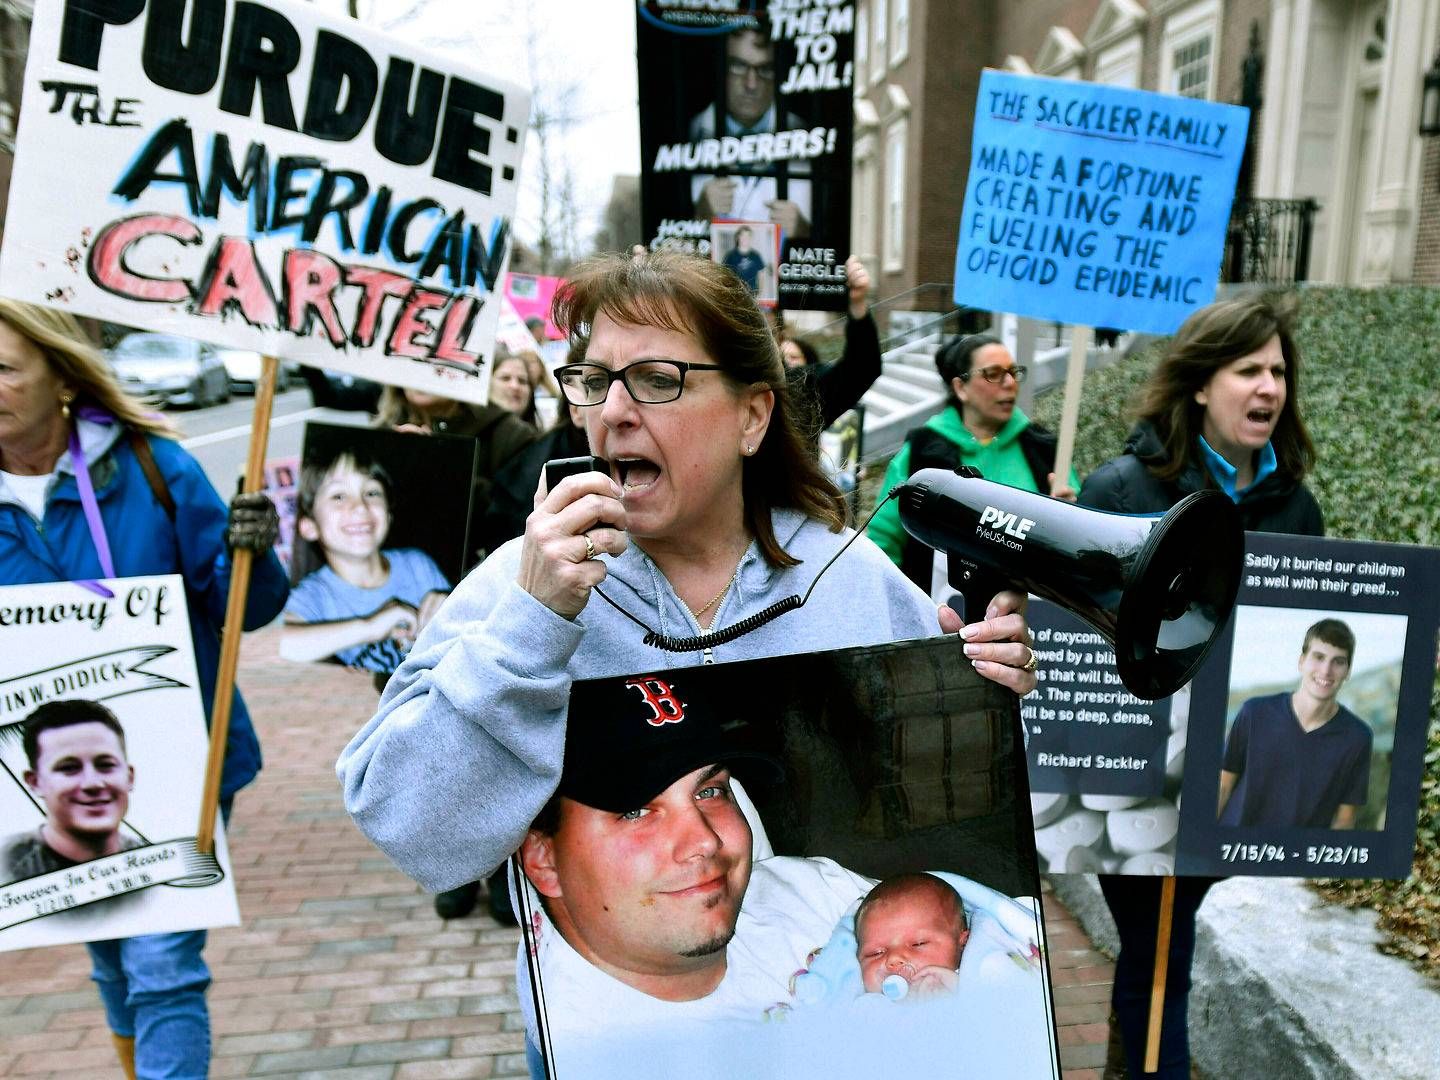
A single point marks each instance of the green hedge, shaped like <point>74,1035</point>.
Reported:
<point>1370,394</point>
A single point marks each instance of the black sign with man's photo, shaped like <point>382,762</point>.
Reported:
<point>1297,750</point>
<point>745,116</point>
<point>806,865</point>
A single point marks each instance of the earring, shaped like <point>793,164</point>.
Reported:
<point>749,449</point>
<point>65,406</point>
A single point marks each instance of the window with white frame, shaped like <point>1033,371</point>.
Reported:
<point>1192,68</point>
<point>862,49</point>
<point>882,18</point>
<point>895,138</point>
<point>900,32</point>
<point>1187,50</point>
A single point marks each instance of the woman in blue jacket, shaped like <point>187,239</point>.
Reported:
<point>93,486</point>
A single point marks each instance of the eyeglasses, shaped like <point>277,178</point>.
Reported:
<point>996,373</point>
<point>650,382</point>
<point>740,69</point>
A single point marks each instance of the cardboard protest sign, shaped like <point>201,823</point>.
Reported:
<point>745,116</point>
<point>1096,205</point>
<point>531,296</point>
<point>382,523</point>
<point>264,176</point>
<point>1296,751</point>
<point>709,874</point>
<point>102,762</point>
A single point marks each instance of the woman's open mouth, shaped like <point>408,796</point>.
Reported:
<point>636,474</point>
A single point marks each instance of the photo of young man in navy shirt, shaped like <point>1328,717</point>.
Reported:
<point>1300,759</point>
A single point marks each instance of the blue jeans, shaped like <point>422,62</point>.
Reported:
<point>1135,904</point>
<point>153,990</point>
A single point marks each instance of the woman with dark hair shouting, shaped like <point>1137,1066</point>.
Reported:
<point>1221,410</point>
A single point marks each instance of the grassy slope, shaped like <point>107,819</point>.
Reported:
<point>1371,397</point>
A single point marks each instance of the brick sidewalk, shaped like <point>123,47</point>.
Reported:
<point>342,969</point>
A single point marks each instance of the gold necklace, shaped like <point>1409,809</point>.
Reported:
<point>716,598</point>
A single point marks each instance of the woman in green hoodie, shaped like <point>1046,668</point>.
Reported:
<point>980,427</point>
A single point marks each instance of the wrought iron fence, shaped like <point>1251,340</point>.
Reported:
<point>1269,241</point>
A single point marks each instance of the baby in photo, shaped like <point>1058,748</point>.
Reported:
<point>366,604</point>
<point>910,933</point>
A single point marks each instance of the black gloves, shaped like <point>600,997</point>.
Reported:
<point>254,523</point>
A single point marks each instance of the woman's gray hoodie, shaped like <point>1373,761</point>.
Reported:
<point>467,745</point>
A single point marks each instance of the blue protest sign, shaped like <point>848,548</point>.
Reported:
<point>1094,204</point>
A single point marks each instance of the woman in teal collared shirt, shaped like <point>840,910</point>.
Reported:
<point>1220,410</point>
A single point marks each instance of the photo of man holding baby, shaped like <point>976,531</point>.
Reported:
<point>663,913</point>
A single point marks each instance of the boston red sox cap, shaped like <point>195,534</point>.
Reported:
<point>629,738</point>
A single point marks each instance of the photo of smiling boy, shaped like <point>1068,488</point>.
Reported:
<point>79,773</point>
<point>366,604</point>
<point>1300,759</point>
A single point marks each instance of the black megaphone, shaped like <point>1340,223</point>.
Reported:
<point>1158,588</point>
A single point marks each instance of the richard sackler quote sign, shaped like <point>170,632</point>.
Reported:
<point>260,175</point>
<point>1296,751</point>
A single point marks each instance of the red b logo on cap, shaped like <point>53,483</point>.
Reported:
<point>666,707</point>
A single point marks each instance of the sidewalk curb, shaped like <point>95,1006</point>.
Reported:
<point>1285,985</point>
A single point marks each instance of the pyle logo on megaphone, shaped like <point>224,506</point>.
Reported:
<point>1003,522</point>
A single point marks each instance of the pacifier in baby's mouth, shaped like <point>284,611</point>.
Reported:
<point>897,984</point>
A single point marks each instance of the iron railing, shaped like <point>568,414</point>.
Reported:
<point>1269,241</point>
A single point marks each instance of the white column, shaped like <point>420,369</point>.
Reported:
<point>1390,217</point>
<point>1272,111</point>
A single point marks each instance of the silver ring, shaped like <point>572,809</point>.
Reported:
<point>589,546</point>
<point>1033,662</point>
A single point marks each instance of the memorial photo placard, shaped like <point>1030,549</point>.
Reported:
<point>381,537</point>
<point>1296,751</point>
<point>265,176</point>
<point>102,764</point>
<point>807,865</point>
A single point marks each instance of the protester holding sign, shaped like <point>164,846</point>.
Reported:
<point>837,388</point>
<point>981,427</point>
<point>728,512</point>
<point>1221,410</point>
<point>79,456</point>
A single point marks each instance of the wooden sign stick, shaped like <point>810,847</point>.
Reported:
<point>1162,971</point>
<point>1070,414</point>
<point>240,560</point>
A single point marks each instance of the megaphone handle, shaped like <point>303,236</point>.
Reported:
<point>977,587</point>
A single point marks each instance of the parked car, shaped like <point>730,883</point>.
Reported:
<point>243,368</point>
<point>171,370</point>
